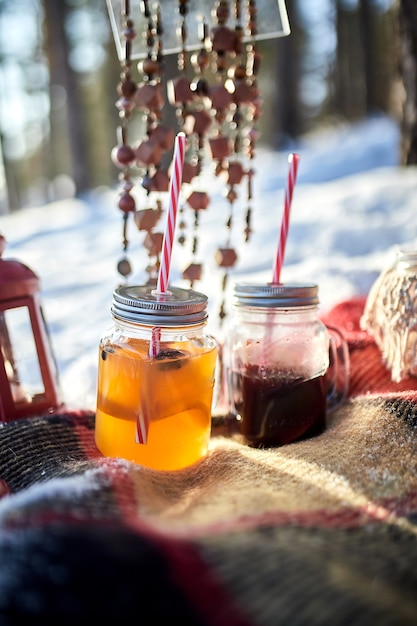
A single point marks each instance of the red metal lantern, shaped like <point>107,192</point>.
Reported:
<point>28,373</point>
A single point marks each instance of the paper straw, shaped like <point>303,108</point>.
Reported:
<point>142,427</point>
<point>142,421</point>
<point>293,160</point>
<point>174,190</point>
<point>154,344</point>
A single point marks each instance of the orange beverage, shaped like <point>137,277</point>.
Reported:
<point>154,402</point>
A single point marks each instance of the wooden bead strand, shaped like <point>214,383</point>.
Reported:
<point>253,62</point>
<point>157,139</point>
<point>189,97</point>
<point>217,104</point>
<point>201,122</point>
<point>122,154</point>
<point>226,45</point>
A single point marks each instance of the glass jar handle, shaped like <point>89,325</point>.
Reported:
<point>338,373</point>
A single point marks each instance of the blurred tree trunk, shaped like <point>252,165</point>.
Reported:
<point>12,199</point>
<point>349,94</point>
<point>379,56</point>
<point>367,30</point>
<point>408,70</point>
<point>365,64</point>
<point>285,111</point>
<point>104,119</point>
<point>63,79</point>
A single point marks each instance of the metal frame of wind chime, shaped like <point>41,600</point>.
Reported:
<point>218,105</point>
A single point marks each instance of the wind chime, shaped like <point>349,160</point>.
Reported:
<point>217,103</point>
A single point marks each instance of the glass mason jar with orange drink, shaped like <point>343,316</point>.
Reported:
<point>156,378</point>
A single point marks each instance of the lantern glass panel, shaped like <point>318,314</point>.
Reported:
<point>20,356</point>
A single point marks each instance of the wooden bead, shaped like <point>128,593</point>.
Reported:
<point>200,60</point>
<point>235,173</point>
<point>149,97</point>
<point>160,181</point>
<point>179,90</point>
<point>220,97</point>
<point>223,39</point>
<point>126,203</point>
<point>222,11</point>
<point>122,156</point>
<point>189,171</point>
<point>163,136</point>
<point>200,87</point>
<point>197,122</point>
<point>153,243</point>
<point>220,147</point>
<point>148,153</point>
<point>198,200</point>
<point>225,257</point>
<point>231,195</point>
<point>238,72</point>
<point>150,67</point>
<point>124,267</point>
<point>245,93</point>
<point>146,219</point>
<point>193,272</point>
<point>129,33</point>
<point>127,88</point>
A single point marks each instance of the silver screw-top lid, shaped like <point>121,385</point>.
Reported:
<point>142,305</point>
<point>278,296</point>
<point>406,260</point>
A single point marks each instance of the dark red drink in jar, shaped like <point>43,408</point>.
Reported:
<point>273,411</point>
<point>281,379</point>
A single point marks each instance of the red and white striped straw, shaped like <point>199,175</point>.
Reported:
<point>142,420</point>
<point>155,342</point>
<point>142,427</point>
<point>293,160</point>
<point>174,190</point>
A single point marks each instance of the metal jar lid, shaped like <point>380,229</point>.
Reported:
<point>142,305</point>
<point>406,260</point>
<point>278,296</point>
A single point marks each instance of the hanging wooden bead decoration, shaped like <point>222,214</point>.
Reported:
<point>217,107</point>
<point>179,88</point>
<point>123,155</point>
<point>179,95</point>
<point>242,112</point>
<point>253,63</point>
<point>201,123</point>
<point>226,46</point>
<point>157,139</point>
<point>190,97</point>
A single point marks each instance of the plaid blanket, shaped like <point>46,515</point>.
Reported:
<point>318,532</point>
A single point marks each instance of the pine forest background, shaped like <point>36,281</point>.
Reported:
<point>344,60</point>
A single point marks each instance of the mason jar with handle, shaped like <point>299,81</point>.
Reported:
<point>284,368</point>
